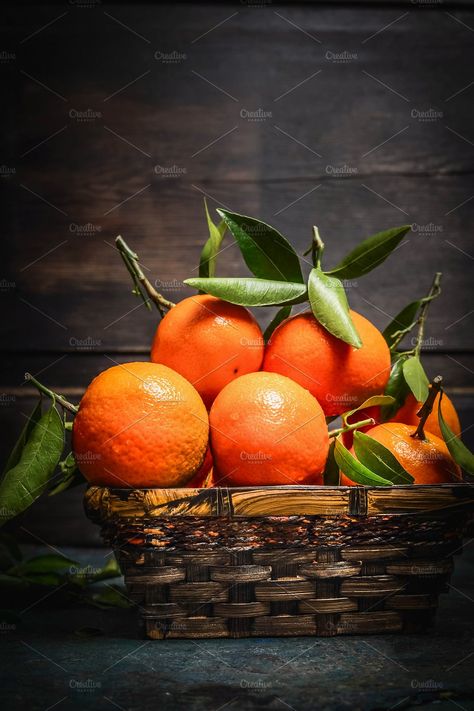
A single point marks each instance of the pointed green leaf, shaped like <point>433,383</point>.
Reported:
<point>266,252</point>
<point>251,291</point>
<point>416,378</point>
<point>402,322</point>
<point>280,316</point>
<point>332,474</point>
<point>26,481</point>
<point>396,387</point>
<point>380,459</point>
<point>48,563</point>
<point>381,400</point>
<point>457,449</point>
<point>369,253</point>
<point>355,470</point>
<point>329,305</point>
<point>207,262</point>
<point>15,454</point>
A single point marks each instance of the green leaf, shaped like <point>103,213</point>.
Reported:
<point>380,459</point>
<point>48,563</point>
<point>280,316</point>
<point>251,291</point>
<point>396,387</point>
<point>402,322</point>
<point>15,454</point>
<point>355,470</point>
<point>416,378</point>
<point>23,484</point>
<point>207,262</point>
<point>329,305</point>
<point>369,253</point>
<point>382,400</point>
<point>110,597</point>
<point>266,252</point>
<point>457,449</point>
<point>332,474</point>
<point>70,476</point>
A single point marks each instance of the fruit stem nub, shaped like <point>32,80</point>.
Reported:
<point>427,407</point>
<point>54,396</point>
<point>131,261</point>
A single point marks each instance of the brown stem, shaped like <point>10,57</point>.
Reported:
<point>130,259</point>
<point>426,409</point>
<point>54,396</point>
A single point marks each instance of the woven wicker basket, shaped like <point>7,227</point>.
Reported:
<point>284,561</point>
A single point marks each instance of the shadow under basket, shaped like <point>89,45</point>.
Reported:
<point>284,561</point>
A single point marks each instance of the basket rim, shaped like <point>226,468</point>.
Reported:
<point>288,487</point>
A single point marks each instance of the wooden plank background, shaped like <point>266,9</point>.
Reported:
<point>120,118</point>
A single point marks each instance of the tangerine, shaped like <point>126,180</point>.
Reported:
<point>340,376</point>
<point>140,425</point>
<point>210,342</point>
<point>267,430</point>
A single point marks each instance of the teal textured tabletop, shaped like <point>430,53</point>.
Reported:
<point>50,661</point>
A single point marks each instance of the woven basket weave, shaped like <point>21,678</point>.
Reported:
<point>284,561</point>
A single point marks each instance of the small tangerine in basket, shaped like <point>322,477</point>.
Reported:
<point>340,376</point>
<point>267,430</point>
<point>140,425</point>
<point>210,342</point>
<point>427,460</point>
<point>407,414</point>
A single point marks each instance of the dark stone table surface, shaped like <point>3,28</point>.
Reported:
<point>45,664</point>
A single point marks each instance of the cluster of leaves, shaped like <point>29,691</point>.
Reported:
<point>278,281</point>
<point>277,275</point>
<point>34,465</point>
<point>76,582</point>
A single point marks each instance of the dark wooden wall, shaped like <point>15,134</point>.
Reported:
<point>120,118</point>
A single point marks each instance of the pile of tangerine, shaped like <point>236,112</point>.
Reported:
<point>216,406</point>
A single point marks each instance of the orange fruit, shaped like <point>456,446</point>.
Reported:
<point>198,480</point>
<point>340,376</point>
<point>267,430</point>
<point>428,460</point>
<point>140,425</point>
<point>210,342</point>
<point>407,414</point>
